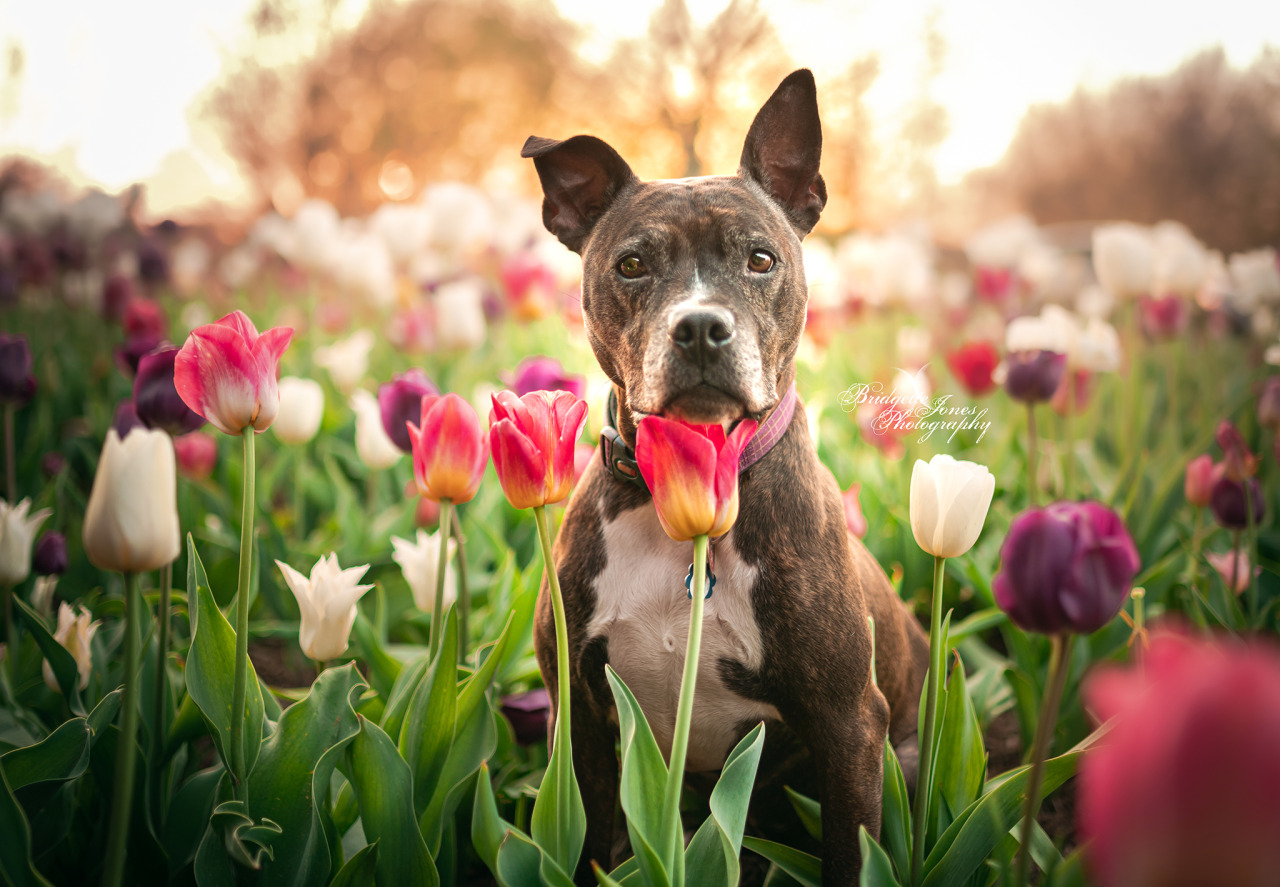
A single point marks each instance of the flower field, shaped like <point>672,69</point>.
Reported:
<point>273,536</point>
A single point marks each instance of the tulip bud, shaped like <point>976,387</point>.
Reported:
<point>156,398</point>
<point>528,714</point>
<point>449,452</point>
<point>1231,506</point>
<point>853,516</point>
<point>301,409</point>
<point>130,354</point>
<point>327,601</point>
<point>533,440</point>
<point>126,419</point>
<point>131,522</point>
<point>949,503</point>
<point>419,563</point>
<point>546,374</point>
<point>374,448</point>
<point>401,402</point>
<point>1238,461</point>
<point>50,555</point>
<point>1033,376</point>
<point>973,365</point>
<point>17,384</point>
<point>197,454</point>
<point>226,372</point>
<point>75,632</point>
<point>18,526</point>
<point>1234,567</point>
<point>1198,485</point>
<point>1066,567</point>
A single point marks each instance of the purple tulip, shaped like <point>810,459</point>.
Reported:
<point>17,384</point>
<point>1228,501</point>
<point>528,713</point>
<point>126,419</point>
<point>546,374</point>
<point>156,398</point>
<point>1033,376</point>
<point>49,558</point>
<point>1066,567</point>
<point>130,354</point>
<point>401,401</point>
<point>117,293</point>
<point>52,463</point>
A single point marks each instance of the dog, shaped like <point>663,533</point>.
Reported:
<point>693,298</point>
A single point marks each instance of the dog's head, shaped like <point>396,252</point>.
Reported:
<point>693,290</point>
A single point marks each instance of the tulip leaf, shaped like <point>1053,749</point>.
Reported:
<point>643,782</point>
<point>961,762</point>
<point>62,755</point>
<point>16,867</point>
<point>429,724</point>
<point>895,822</point>
<point>61,662</point>
<point>233,840</point>
<point>288,785</point>
<point>210,673</point>
<point>188,815</point>
<point>401,694</point>
<point>877,870</point>
<point>524,863</point>
<point>712,857</point>
<point>800,865</point>
<point>383,786</point>
<point>383,668</point>
<point>488,828</point>
<point>809,811</point>
<point>360,870</point>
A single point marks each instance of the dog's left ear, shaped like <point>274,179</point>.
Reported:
<point>783,149</point>
<point>580,178</point>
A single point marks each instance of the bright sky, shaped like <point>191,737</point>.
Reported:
<point>108,88</point>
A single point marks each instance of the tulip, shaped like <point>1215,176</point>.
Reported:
<point>1234,567</point>
<point>460,320</point>
<point>226,372</point>
<point>533,440</point>
<point>692,471</point>
<point>117,293</point>
<point>75,632</point>
<point>853,516</point>
<point>131,522</point>
<point>348,360</point>
<point>1163,318</point>
<point>1198,484</point>
<point>419,563</point>
<point>130,354</point>
<point>1269,404</point>
<point>18,527</point>
<point>449,451</point>
<point>126,419</point>
<point>301,409</point>
<point>401,402</point>
<point>1096,348</point>
<point>1122,259</point>
<point>142,318</point>
<point>327,601</point>
<point>1231,503</point>
<point>1238,461</point>
<point>155,396</point>
<point>426,513</point>
<point>50,555</point>
<point>17,384</point>
<point>546,374</point>
<point>528,712</point>
<point>197,454</point>
<point>1033,376</point>
<point>949,503</point>
<point>374,448</point>
<point>1185,790</point>
<point>973,366</point>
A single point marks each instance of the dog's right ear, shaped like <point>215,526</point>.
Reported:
<point>580,178</point>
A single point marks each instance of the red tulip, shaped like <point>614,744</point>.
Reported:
<point>533,440</point>
<point>692,471</point>
<point>973,365</point>
<point>449,451</point>
<point>1185,789</point>
<point>1198,485</point>
<point>227,373</point>
<point>143,317</point>
<point>1163,318</point>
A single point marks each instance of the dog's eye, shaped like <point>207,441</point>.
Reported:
<point>760,261</point>
<point>632,267</point>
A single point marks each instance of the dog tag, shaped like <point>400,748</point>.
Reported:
<point>711,581</point>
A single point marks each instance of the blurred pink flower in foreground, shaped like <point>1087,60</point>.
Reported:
<point>853,515</point>
<point>1185,790</point>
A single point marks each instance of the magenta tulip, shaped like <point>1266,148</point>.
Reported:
<point>546,374</point>
<point>226,372</point>
<point>534,439</point>
<point>401,402</point>
<point>156,397</point>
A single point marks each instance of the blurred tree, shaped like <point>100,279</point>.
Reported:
<point>1200,145</point>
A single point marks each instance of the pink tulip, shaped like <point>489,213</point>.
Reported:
<point>227,373</point>
<point>853,515</point>
<point>1198,484</point>
<point>533,440</point>
<point>197,454</point>
<point>1234,568</point>
<point>449,452</point>
<point>692,471</point>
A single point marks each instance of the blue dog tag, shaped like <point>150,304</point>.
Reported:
<point>711,582</point>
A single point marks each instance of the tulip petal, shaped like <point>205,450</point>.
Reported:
<point>924,511</point>
<point>215,375</point>
<point>519,465</point>
<point>450,451</point>
<point>240,323</point>
<point>679,465</point>
<point>965,513</point>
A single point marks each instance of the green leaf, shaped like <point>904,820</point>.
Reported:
<point>402,694</point>
<point>210,674</point>
<point>383,667</point>
<point>292,777</point>
<point>360,870</point>
<point>800,865</point>
<point>961,762</point>
<point>712,857</point>
<point>877,870</point>
<point>521,862</point>
<point>60,660</point>
<point>232,840</point>
<point>895,821</point>
<point>809,811</point>
<point>62,755</point>
<point>643,784</point>
<point>427,734</point>
<point>188,815</point>
<point>1070,873</point>
<point>384,790</point>
<point>16,867</point>
<point>488,828</point>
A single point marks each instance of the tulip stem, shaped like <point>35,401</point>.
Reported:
<point>1059,658</point>
<point>1032,483</point>
<point>437,614</point>
<point>161,685</point>
<point>464,592</point>
<point>240,688</point>
<point>126,756</point>
<point>1069,427</point>
<point>934,679</point>
<point>1196,542</point>
<point>10,458</point>
<point>300,495</point>
<point>1252,537</point>
<point>562,738</point>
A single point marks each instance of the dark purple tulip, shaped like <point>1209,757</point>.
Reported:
<point>1229,506</point>
<point>126,419</point>
<point>1066,567</point>
<point>117,293</point>
<point>1033,376</point>
<point>546,374</point>
<point>17,384</point>
<point>401,402</point>
<point>156,398</point>
<point>130,354</point>
<point>49,557</point>
<point>528,713</point>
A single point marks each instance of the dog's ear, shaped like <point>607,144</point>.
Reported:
<point>580,178</point>
<point>783,149</point>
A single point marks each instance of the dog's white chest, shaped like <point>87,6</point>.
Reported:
<point>642,607</point>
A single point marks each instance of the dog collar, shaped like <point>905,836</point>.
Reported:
<point>620,459</point>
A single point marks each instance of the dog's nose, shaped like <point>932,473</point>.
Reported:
<point>702,333</point>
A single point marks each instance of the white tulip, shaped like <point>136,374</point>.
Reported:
<point>1181,262</point>
<point>363,268</point>
<point>131,523</point>
<point>1122,259</point>
<point>404,228</point>
<point>328,603</point>
<point>313,235</point>
<point>75,632</point>
<point>1042,333</point>
<point>1097,348</point>
<point>460,323</point>
<point>301,409</point>
<point>420,563</point>
<point>374,448</point>
<point>1255,279</point>
<point>1002,244</point>
<point>949,503</point>
<point>17,533</point>
<point>347,360</point>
